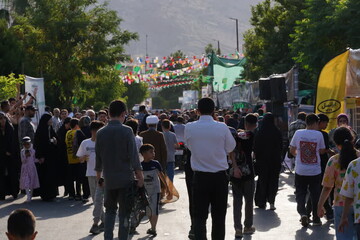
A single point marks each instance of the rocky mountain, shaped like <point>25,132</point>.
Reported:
<point>187,25</point>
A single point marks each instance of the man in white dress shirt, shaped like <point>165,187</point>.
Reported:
<point>209,142</point>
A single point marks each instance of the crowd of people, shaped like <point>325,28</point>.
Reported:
<point>101,154</point>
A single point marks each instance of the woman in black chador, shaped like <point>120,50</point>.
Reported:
<point>45,146</point>
<point>267,149</point>
<point>9,179</point>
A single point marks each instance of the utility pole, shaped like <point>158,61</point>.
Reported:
<point>146,50</point>
<point>218,47</point>
<point>237,33</point>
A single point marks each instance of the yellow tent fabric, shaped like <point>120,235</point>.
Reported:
<point>331,89</point>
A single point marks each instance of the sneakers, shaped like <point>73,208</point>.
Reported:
<point>95,229</point>
<point>151,232</point>
<point>272,207</point>
<point>249,230</point>
<point>304,220</point>
<point>238,233</point>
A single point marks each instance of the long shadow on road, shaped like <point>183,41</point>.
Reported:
<point>60,208</point>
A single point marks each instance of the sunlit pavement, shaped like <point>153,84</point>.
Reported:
<point>70,220</point>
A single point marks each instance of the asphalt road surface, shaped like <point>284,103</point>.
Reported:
<point>70,220</point>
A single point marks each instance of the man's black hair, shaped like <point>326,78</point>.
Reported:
<point>323,117</point>
<point>74,122</point>
<point>180,119</point>
<point>166,124</point>
<point>96,125</point>
<point>260,112</point>
<point>251,118</point>
<point>67,120</point>
<point>11,99</point>
<point>206,106</point>
<point>142,108</point>
<point>4,103</point>
<point>311,119</point>
<point>146,147</point>
<point>21,223</point>
<point>102,112</point>
<point>133,123</point>
<point>116,108</point>
<point>301,116</point>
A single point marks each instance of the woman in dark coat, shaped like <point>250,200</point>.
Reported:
<point>63,178</point>
<point>267,149</point>
<point>45,145</point>
<point>7,184</point>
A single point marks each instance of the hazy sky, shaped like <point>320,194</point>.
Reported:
<point>187,25</point>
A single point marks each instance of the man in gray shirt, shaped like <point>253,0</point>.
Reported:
<point>117,158</point>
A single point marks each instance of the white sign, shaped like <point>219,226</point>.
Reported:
<point>35,86</point>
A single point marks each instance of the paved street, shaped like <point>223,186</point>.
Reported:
<point>72,220</point>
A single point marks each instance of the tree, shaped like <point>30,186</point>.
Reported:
<point>9,85</point>
<point>136,93</point>
<point>317,37</point>
<point>266,44</point>
<point>99,90</point>
<point>11,50</point>
<point>209,49</point>
<point>63,39</point>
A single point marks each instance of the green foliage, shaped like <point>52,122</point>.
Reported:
<point>63,39</point>
<point>136,93</point>
<point>9,85</point>
<point>10,49</point>
<point>209,49</point>
<point>168,98</point>
<point>327,29</point>
<point>99,90</point>
<point>266,44</point>
<point>317,39</point>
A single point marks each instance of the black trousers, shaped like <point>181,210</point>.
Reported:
<point>189,175</point>
<point>84,180</point>
<point>210,189</point>
<point>73,175</point>
<point>302,185</point>
<point>267,184</point>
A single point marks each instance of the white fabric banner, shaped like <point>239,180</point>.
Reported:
<point>35,86</point>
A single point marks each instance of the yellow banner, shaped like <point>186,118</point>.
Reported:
<point>331,89</point>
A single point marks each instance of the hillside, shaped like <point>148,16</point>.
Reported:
<point>188,25</point>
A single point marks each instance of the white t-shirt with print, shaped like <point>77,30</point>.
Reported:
<point>351,186</point>
<point>87,147</point>
<point>308,143</point>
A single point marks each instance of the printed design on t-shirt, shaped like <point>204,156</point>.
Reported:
<point>308,152</point>
<point>90,149</point>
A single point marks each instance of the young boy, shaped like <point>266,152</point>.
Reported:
<point>21,225</point>
<point>86,153</point>
<point>151,168</point>
<point>171,146</point>
<point>243,184</point>
<point>74,162</point>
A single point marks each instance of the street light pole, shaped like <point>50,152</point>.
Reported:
<point>218,46</point>
<point>237,33</point>
<point>146,51</point>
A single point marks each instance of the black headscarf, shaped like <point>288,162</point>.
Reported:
<point>42,136</point>
<point>268,140</point>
